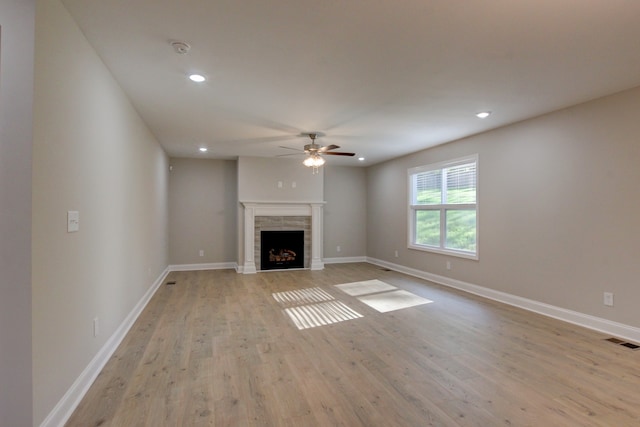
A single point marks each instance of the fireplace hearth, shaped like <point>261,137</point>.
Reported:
<point>281,249</point>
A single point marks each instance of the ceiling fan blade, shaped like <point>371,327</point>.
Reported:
<point>289,148</point>
<point>292,154</point>
<point>338,153</point>
<point>329,147</point>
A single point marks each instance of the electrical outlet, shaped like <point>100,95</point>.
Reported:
<point>608,299</point>
<point>201,252</point>
<point>448,265</point>
<point>73,221</point>
<point>396,253</point>
<point>338,248</point>
<point>96,327</point>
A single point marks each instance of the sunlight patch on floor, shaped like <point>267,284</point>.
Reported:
<point>390,301</point>
<point>365,287</point>
<point>325,313</point>
<point>302,296</point>
<point>375,293</point>
<point>312,307</point>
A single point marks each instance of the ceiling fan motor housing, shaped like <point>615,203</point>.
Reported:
<point>311,148</point>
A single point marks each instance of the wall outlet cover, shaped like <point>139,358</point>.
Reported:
<point>73,221</point>
<point>608,299</point>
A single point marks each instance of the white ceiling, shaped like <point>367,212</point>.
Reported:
<point>380,78</point>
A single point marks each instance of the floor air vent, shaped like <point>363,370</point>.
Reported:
<point>173,282</point>
<point>623,343</point>
<point>631,345</point>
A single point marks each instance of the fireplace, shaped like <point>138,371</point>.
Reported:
<point>282,216</point>
<point>281,249</point>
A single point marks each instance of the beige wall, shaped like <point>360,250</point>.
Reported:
<point>91,153</point>
<point>258,180</point>
<point>203,204</point>
<point>16,95</point>
<point>345,225</point>
<point>204,212</point>
<point>558,203</point>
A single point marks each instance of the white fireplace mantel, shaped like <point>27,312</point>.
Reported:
<point>252,209</point>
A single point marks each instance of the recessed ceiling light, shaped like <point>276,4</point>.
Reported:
<point>361,159</point>
<point>203,149</point>
<point>198,78</point>
<point>483,114</point>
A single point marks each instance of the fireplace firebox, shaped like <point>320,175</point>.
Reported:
<point>281,249</point>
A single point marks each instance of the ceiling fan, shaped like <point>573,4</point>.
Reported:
<point>315,152</point>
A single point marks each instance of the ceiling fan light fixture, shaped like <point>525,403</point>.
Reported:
<point>313,161</point>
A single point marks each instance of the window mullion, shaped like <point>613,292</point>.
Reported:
<point>461,206</point>
<point>443,211</point>
<point>443,186</point>
<point>443,228</point>
<point>426,207</point>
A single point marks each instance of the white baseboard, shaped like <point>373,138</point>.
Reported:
<point>609,327</point>
<point>71,399</point>
<point>209,266</point>
<point>345,260</point>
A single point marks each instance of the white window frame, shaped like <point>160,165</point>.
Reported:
<point>442,208</point>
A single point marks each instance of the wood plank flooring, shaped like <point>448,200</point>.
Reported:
<point>216,349</point>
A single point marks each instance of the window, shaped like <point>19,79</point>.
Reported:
<point>443,209</point>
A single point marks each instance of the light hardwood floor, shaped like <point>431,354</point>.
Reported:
<point>217,349</point>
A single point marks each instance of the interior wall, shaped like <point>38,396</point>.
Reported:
<point>345,213</point>
<point>93,154</point>
<point>16,103</point>
<point>275,179</point>
<point>203,205</point>
<point>263,179</point>
<point>558,198</point>
<point>204,212</point>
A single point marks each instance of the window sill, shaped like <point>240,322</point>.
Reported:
<point>450,252</point>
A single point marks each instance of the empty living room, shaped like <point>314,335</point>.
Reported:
<point>315,214</point>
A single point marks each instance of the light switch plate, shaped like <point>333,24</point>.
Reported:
<point>73,221</point>
<point>608,299</point>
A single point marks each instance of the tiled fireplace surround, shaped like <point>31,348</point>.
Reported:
<point>260,216</point>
